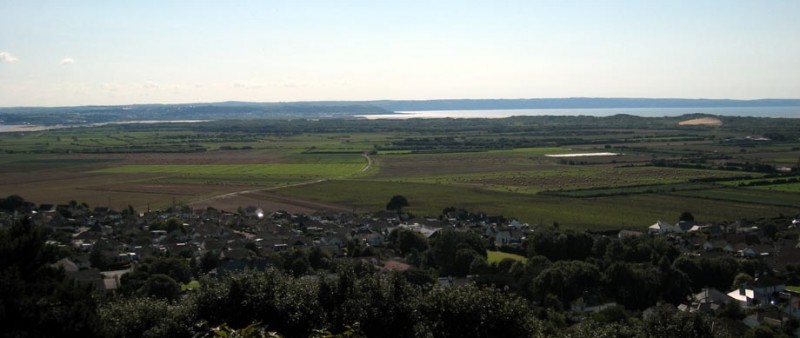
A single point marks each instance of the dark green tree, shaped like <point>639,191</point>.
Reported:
<point>176,268</point>
<point>556,245</point>
<point>405,240</point>
<point>12,203</point>
<point>318,259</point>
<point>299,266</point>
<point>470,311</point>
<point>209,261</point>
<point>463,261</point>
<point>740,280</point>
<point>686,217</point>
<point>765,331</point>
<point>446,246</point>
<point>37,300</point>
<point>161,286</point>
<point>568,280</point>
<point>98,259</point>
<point>666,321</point>
<point>145,317</point>
<point>635,286</point>
<point>397,203</point>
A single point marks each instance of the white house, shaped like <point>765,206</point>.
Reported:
<point>661,228</point>
<point>744,296</point>
<point>502,238</point>
<point>762,291</point>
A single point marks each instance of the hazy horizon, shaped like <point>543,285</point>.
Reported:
<point>150,52</point>
<point>738,103</point>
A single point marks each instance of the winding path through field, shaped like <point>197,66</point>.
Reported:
<point>369,161</point>
<point>296,201</point>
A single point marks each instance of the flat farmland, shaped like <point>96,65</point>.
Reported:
<point>18,165</point>
<point>100,189</point>
<point>159,179</point>
<point>788,187</point>
<point>758,195</point>
<point>267,199</point>
<point>396,166</point>
<point>278,169</point>
<point>615,212</point>
<point>566,177</point>
<point>664,206</point>
<point>635,189</point>
<point>495,166</point>
<point>426,165</point>
<point>210,157</point>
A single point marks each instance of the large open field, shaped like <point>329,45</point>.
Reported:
<point>660,169</point>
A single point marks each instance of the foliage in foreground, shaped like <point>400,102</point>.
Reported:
<point>272,303</point>
<point>38,301</point>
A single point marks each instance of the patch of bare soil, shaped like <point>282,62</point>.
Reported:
<point>164,189</point>
<point>705,121</point>
<point>268,201</point>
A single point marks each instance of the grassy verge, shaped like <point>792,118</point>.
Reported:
<point>494,257</point>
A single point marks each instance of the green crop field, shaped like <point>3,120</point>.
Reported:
<point>635,211</point>
<point>557,178</point>
<point>535,151</point>
<point>635,189</point>
<point>788,187</point>
<point>277,169</point>
<point>747,195</point>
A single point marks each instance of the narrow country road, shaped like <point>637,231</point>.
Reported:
<point>369,161</point>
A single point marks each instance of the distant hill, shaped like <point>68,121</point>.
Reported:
<point>330,109</point>
<point>194,111</point>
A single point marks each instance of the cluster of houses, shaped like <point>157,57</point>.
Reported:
<point>774,303</point>
<point>241,239</point>
<point>736,239</point>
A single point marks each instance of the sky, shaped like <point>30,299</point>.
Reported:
<point>57,53</point>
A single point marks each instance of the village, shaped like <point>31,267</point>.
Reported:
<point>105,244</point>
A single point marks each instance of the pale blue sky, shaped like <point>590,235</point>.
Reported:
<point>120,52</point>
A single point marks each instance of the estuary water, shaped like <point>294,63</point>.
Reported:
<point>791,112</point>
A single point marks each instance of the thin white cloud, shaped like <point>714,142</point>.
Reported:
<point>151,85</point>
<point>109,87</point>
<point>67,61</point>
<point>294,84</point>
<point>6,57</point>
<point>246,85</point>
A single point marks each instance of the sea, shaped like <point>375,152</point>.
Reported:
<point>787,112</point>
